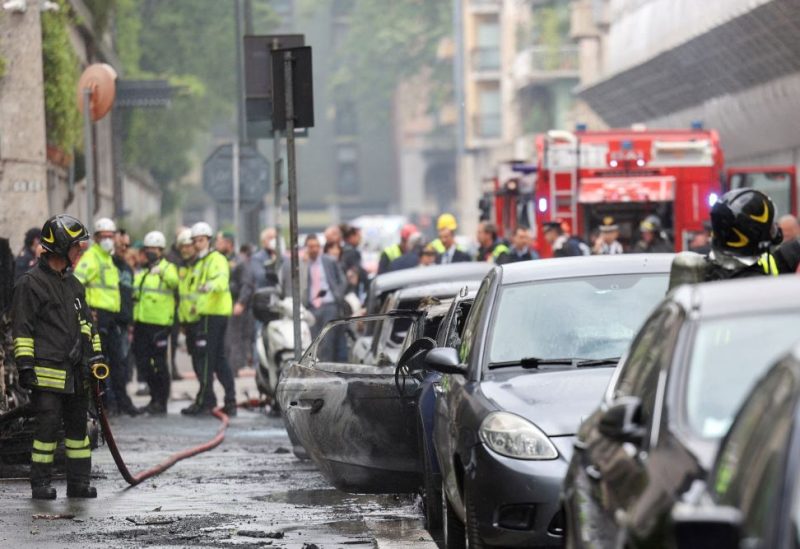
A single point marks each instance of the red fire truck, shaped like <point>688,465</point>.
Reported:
<point>583,177</point>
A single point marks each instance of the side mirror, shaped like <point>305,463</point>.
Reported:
<point>411,357</point>
<point>622,420</point>
<point>445,360</point>
<point>706,525</point>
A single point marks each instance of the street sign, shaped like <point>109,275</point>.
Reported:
<point>301,86</point>
<point>258,80</point>
<point>253,173</point>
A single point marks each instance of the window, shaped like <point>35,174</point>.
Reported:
<point>347,180</point>
<point>346,121</point>
<point>776,185</point>
<point>473,320</point>
<point>581,318</point>
<point>489,121</point>
<point>728,356</point>
<point>648,355</point>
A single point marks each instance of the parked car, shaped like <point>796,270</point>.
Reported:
<point>350,417</point>
<point>753,490</point>
<point>537,351</point>
<point>383,284</point>
<point>670,402</point>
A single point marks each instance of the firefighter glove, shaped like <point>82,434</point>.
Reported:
<point>27,378</point>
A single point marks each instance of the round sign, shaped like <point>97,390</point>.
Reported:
<point>100,78</point>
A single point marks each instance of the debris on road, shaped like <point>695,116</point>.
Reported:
<point>61,516</point>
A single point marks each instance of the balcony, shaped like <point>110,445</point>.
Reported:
<point>485,60</point>
<point>487,126</point>
<point>540,64</point>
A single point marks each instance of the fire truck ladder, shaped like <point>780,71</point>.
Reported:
<point>562,152</point>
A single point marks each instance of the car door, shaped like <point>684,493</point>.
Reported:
<point>450,394</point>
<point>615,470</point>
<point>349,416</point>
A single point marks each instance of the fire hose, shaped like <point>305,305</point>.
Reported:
<point>100,372</point>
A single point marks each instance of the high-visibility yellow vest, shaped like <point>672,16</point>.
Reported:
<point>438,246</point>
<point>499,250</point>
<point>213,289</point>
<point>187,294</point>
<point>767,262</point>
<point>100,277</point>
<point>393,252</point>
<point>154,294</point>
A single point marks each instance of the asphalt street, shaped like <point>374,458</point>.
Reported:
<point>249,492</point>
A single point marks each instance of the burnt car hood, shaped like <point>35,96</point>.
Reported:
<point>555,401</point>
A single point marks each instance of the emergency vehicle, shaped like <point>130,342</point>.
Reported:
<point>582,177</point>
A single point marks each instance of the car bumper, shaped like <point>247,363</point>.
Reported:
<point>517,502</point>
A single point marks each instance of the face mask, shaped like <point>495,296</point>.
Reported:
<point>152,257</point>
<point>108,245</point>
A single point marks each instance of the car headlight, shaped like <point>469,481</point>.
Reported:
<point>515,437</point>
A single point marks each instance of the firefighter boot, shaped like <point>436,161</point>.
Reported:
<point>79,468</point>
<point>42,470</point>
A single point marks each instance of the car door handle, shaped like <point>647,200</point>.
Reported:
<point>593,472</point>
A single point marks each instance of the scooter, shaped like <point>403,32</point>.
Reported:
<point>275,346</point>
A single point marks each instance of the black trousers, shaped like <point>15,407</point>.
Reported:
<point>54,410</point>
<point>150,343</point>
<point>111,336</point>
<point>211,360</point>
<point>191,330</point>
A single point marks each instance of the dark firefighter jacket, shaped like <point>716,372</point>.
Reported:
<point>51,328</point>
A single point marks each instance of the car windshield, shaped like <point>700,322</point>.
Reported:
<point>728,356</point>
<point>583,318</point>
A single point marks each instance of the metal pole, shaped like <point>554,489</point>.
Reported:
<point>458,88</point>
<point>88,140</point>
<point>236,190</point>
<point>240,119</point>
<point>288,61</point>
<point>277,166</point>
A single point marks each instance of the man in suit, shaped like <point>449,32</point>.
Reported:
<point>520,249</point>
<point>446,248</point>
<point>322,289</point>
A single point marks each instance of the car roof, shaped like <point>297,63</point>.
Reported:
<point>742,296</point>
<point>438,289</point>
<point>598,265</point>
<point>425,275</point>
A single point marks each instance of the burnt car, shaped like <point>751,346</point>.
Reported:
<point>672,399</point>
<point>537,351</point>
<point>350,417</point>
<point>383,285</point>
<point>753,492</point>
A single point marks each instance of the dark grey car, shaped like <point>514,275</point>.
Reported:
<point>538,349</point>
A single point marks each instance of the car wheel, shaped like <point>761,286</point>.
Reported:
<point>474,540</point>
<point>452,528</point>
<point>432,495</point>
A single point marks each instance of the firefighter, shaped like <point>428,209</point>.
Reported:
<point>395,251</point>
<point>100,277</point>
<point>214,306</point>
<point>54,342</point>
<point>490,247</point>
<point>743,230</point>
<point>445,246</point>
<point>154,294</point>
<point>653,240</point>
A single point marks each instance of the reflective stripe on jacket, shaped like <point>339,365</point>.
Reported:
<point>100,277</point>
<point>768,264</point>
<point>187,294</point>
<point>154,294</point>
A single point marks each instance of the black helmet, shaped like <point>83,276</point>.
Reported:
<point>61,232</point>
<point>743,223</point>
<point>651,223</point>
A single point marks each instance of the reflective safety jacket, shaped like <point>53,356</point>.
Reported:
<point>491,253</point>
<point>213,293</point>
<point>187,295</point>
<point>154,291</point>
<point>98,274</point>
<point>51,328</point>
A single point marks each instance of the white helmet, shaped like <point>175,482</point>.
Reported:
<point>104,224</point>
<point>201,228</point>
<point>155,239</point>
<point>184,237</point>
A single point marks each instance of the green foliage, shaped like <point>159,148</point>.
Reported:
<point>2,66</point>
<point>101,11</point>
<point>192,44</point>
<point>60,80</point>
<point>386,43</point>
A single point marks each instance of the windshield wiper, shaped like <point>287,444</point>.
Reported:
<point>611,361</point>
<point>531,362</point>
